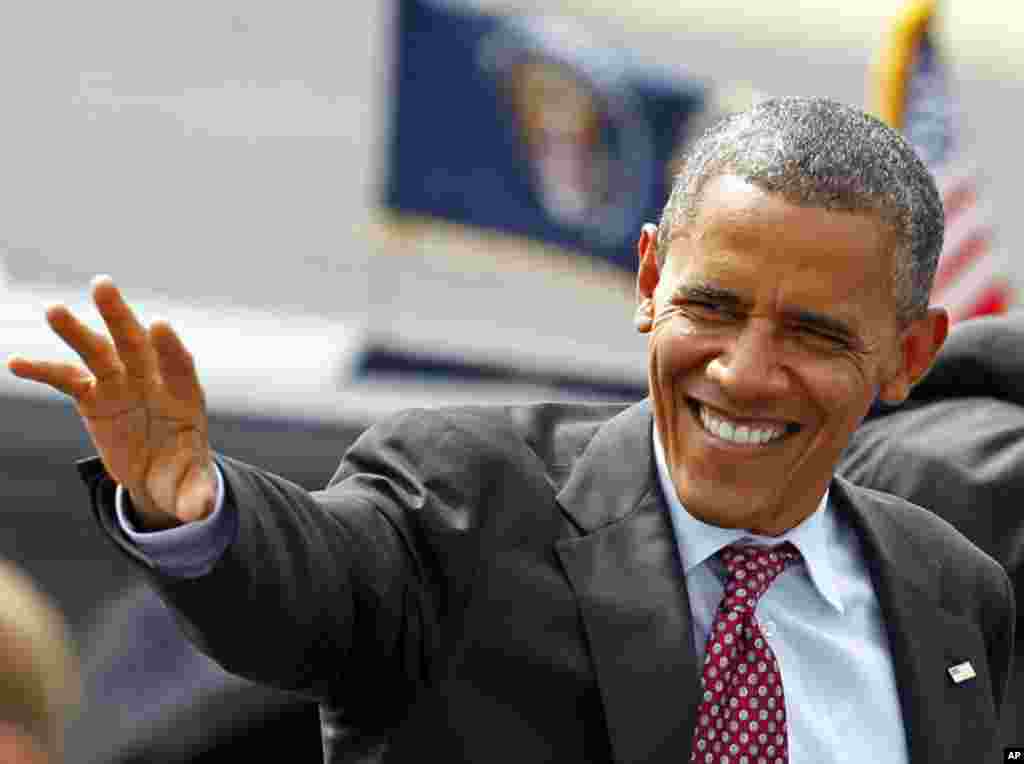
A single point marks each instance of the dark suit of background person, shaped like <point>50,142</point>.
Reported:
<point>550,621</point>
<point>957,445</point>
<point>151,698</point>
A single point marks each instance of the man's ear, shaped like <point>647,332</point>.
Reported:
<point>919,345</point>
<point>647,277</point>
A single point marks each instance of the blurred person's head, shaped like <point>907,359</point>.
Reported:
<point>784,291</point>
<point>39,681</point>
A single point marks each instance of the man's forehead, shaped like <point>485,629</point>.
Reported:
<point>726,196</point>
<point>747,278</point>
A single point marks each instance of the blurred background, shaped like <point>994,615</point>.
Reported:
<point>352,208</point>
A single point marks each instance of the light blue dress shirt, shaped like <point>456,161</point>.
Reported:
<point>821,618</point>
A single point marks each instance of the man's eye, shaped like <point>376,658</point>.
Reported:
<point>712,309</point>
<point>822,335</point>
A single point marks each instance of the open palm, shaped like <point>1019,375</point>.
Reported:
<point>141,401</point>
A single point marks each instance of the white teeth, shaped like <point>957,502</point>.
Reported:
<point>738,433</point>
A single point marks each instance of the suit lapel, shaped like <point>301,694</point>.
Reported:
<point>944,720</point>
<point>626,574</point>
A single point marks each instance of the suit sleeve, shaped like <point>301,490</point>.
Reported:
<point>330,593</point>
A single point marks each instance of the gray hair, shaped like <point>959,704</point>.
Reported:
<point>817,152</point>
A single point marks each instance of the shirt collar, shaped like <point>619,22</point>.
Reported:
<point>698,541</point>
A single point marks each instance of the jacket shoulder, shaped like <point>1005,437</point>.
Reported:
<point>928,536</point>
<point>553,433</point>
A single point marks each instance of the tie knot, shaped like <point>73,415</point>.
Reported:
<point>752,569</point>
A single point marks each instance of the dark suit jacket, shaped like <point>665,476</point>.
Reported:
<point>503,585</point>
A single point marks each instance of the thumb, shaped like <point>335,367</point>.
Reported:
<point>197,498</point>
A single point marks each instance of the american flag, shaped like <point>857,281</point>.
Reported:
<point>911,92</point>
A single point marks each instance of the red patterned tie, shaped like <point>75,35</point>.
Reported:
<point>742,715</point>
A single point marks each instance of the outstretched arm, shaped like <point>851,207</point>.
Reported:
<point>324,593</point>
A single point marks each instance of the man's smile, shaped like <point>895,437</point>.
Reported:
<point>754,433</point>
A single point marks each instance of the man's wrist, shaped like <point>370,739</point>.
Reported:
<point>187,550</point>
<point>144,514</point>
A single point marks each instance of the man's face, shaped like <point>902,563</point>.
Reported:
<point>772,328</point>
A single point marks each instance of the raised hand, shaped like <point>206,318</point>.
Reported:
<point>141,402</point>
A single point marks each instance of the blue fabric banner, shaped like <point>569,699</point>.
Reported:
<point>528,125</point>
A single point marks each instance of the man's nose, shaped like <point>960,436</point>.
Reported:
<point>750,365</point>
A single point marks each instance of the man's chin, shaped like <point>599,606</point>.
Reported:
<point>736,508</point>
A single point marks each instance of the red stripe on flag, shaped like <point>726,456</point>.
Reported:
<point>996,299</point>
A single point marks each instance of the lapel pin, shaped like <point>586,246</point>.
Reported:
<point>961,672</point>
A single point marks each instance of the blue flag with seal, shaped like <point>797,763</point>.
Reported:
<point>531,126</point>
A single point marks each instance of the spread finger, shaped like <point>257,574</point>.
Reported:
<point>92,347</point>
<point>68,378</point>
<point>130,337</point>
<point>177,367</point>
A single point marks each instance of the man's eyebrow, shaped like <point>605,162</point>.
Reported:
<point>821,321</point>
<point>709,293</point>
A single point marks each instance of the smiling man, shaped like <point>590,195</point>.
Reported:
<point>786,290</point>
<point>773,328</point>
<point>684,579</point>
